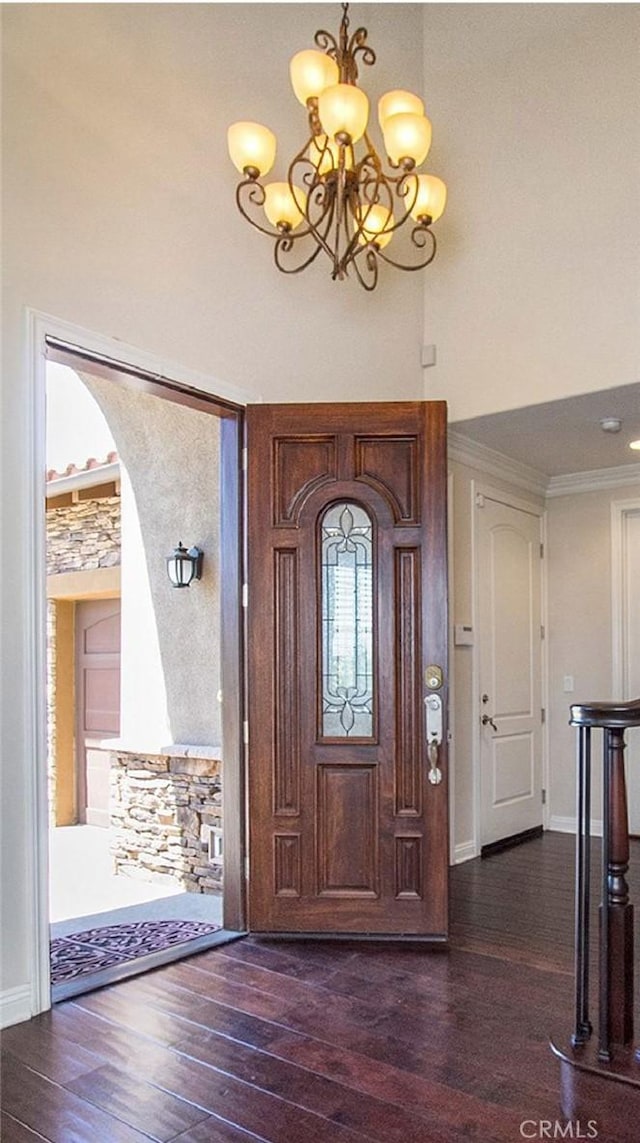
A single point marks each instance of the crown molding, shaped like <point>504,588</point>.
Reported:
<point>487,460</point>
<point>593,480</point>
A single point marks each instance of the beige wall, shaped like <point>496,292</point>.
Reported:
<point>119,216</point>
<point>536,292</point>
<point>120,212</point>
<point>580,627</point>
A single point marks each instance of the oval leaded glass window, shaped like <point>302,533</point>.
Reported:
<point>347,622</point>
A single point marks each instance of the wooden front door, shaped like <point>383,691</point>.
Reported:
<point>97,701</point>
<point>347,609</point>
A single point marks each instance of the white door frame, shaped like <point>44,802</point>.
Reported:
<point>619,587</point>
<point>40,326</point>
<point>480,488</point>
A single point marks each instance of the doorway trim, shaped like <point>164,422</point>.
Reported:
<point>480,488</point>
<point>620,509</point>
<point>41,330</point>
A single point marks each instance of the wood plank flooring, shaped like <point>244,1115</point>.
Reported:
<point>325,1043</point>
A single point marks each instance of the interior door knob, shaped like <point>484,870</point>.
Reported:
<point>488,721</point>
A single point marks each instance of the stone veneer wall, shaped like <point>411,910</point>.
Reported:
<point>161,809</point>
<point>83,536</point>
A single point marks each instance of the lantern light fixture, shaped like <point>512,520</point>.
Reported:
<point>338,197</point>
<point>184,565</point>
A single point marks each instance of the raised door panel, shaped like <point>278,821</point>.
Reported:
<point>409,746</point>
<point>97,703</point>
<point>300,465</point>
<point>286,675</point>
<point>347,859</point>
<point>392,466</point>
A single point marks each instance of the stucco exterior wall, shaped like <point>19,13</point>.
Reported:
<point>170,637</point>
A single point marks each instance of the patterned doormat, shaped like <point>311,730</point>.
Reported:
<point>95,949</point>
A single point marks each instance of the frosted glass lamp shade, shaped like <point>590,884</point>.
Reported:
<point>344,112</point>
<point>325,155</point>
<point>431,198</point>
<point>251,147</point>
<point>395,102</point>
<point>183,566</point>
<point>407,136</point>
<point>280,206</point>
<point>311,72</point>
<point>376,222</point>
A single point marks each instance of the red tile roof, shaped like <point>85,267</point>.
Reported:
<point>91,462</point>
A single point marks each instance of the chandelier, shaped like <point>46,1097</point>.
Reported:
<point>337,197</point>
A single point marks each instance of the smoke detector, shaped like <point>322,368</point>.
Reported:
<point>611,424</point>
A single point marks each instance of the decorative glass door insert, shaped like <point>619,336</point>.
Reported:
<point>347,622</point>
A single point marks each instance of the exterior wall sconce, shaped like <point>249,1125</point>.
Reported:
<point>184,565</point>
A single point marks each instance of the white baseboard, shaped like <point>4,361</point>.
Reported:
<point>15,1005</point>
<point>464,852</point>
<point>568,825</point>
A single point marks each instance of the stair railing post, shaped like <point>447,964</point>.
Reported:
<point>616,921</point>
<point>583,1028</point>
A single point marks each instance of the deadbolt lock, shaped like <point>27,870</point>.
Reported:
<point>433,677</point>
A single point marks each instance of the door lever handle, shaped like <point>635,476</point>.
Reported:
<point>433,720</point>
<point>488,721</point>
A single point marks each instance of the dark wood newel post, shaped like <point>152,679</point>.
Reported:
<point>616,971</point>
<point>610,1055</point>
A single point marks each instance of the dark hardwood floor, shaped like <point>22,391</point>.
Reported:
<point>326,1043</point>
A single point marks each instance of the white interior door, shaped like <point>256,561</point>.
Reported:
<point>510,659</point>
<point>627,559</point>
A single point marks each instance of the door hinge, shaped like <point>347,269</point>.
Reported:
<point>541,551</point>
<point>245,460</point>
<point>544,797</point>
<point>542,634</point>
<point>245,595</point>
<point>543,715</point>
<point>245,733</point>
<point>479,500</point>
<point>246,866</point>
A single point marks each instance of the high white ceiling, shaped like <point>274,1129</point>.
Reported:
<point>565,436</point>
